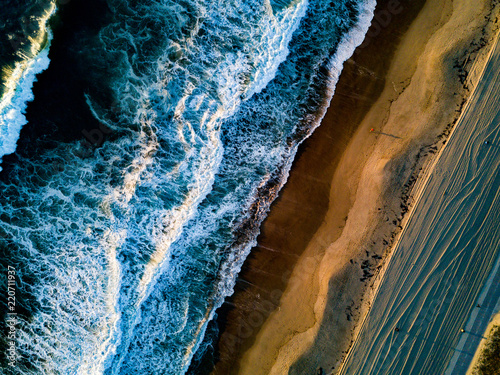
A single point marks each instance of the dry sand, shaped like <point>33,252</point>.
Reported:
<point>421,99</point>
<point>444,256</point>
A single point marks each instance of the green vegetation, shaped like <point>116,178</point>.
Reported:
<point>489,361</point>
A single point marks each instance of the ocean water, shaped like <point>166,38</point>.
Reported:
<point>23,54</point>
<point>154,144</point>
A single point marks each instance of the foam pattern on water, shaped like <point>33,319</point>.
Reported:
<point>127,249</point>
<point>19,81</point>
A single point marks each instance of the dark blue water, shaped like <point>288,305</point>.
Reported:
<point>157,139</point>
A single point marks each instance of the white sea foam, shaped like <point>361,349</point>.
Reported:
<point>346,48</point>
<point>272,50</point>
<point>14,103</point>
<point>200,113</point>
<point>19,83</point>
<point>78,282</point>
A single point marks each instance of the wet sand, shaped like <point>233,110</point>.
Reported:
<point>333,222</point>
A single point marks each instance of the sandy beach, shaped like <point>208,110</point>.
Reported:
<point>303,290</point>
<point>418,322</point>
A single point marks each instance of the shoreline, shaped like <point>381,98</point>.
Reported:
<point>291,224</point>
<point>274,340</point>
